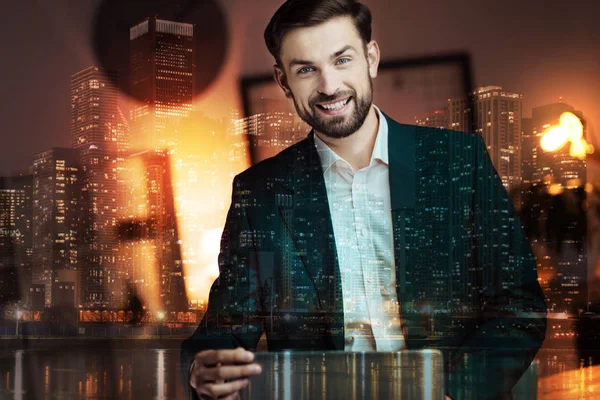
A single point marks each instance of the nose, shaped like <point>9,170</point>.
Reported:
<point>329,82</point>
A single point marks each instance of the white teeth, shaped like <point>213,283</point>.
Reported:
<point>336,106</point>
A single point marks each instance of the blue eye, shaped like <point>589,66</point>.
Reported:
<point>301,69</point>
<point>305,70</point>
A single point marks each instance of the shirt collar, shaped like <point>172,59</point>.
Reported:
<point>380,150</point>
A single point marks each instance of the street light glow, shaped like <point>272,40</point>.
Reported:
<point>569,129</point>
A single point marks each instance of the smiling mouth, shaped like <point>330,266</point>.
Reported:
<point>335,106</point>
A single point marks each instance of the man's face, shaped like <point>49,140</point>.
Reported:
<point>329,76</point>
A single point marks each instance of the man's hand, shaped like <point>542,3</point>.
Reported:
<point>212,367</point>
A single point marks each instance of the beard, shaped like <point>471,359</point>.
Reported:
<point>337,126</point>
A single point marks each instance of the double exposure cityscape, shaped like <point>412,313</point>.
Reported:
<point>117,235</point>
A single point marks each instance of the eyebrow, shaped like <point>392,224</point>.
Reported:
<point>334,55</point>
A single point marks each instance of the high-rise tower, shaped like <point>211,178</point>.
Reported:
<point>161,79</point>
<point>98,132</point>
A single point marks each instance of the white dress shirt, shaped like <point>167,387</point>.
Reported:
<point>360,207</point>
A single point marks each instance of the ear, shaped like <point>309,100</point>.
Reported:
<point>281,79</point>
<point>373,56</point>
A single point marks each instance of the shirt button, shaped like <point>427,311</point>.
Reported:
<point>364,232</point>
<point>357,186</point>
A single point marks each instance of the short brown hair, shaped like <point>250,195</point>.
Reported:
<point>306,13</point>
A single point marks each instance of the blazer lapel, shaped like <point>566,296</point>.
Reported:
<point>403,184</point>
<point>309,223</point>
<point>401,151</point>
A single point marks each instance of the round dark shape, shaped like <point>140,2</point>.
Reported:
<point>114,18</point>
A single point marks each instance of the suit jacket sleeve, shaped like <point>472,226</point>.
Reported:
<point>511,324</point>
<point>231,317</point>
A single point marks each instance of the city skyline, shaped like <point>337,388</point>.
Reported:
<point>543,64</point>
<point>438,116</point>
<point>135,185</point>
<point>106,146</point>
<point>526,171</point>
<point>251,126</point>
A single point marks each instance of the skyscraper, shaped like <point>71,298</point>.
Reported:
<point>497,118</point>
<point>459,118</point>
<point>529,155</point>
<point>563,261</point>
<point>98,132</point>
<point>161,79</point>
<point>162,83</point>
<point>16,203</point>
<point>16,235</point>
<point>56,216</point>
<point>95,115</point>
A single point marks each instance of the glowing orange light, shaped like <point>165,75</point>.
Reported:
<point>202,175</point>
<point>569,129</point>
<point>204,156</point>
<point>589,188</point>
<point>555,189</point>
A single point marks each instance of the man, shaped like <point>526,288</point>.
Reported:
<point>354,237</point>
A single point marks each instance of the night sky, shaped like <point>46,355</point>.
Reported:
<point>543,49</point>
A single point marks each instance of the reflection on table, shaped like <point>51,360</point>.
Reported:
<point>410,374</point>
<point>582,383</point>
<point>140,369</point>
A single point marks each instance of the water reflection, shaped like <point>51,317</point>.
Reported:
<point>18,375</point>
<point>81,374</point>
<point>160,375</point>
<point>154,373</point>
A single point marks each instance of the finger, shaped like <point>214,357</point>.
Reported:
<point>215,390</point>
<point>232,396</point>
<point>199,376</point>
<point>224,372</point>
<point>213,357</point>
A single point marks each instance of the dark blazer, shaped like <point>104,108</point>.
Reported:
<point>463,263</point>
